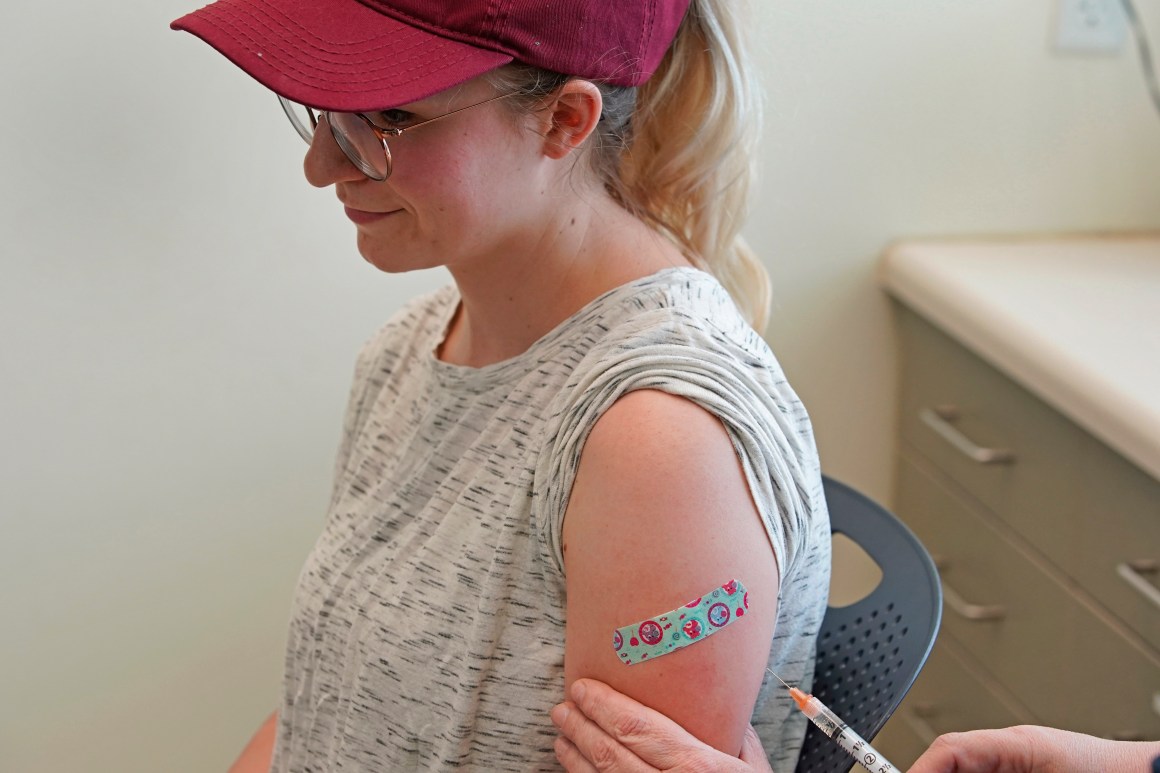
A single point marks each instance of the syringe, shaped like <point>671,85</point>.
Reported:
<point>830,724</point>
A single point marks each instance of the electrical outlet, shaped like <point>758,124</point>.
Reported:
<point>1091,26</point>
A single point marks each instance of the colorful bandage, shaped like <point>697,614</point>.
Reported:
<point>695,621</point>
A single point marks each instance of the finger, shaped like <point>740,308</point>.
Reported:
<point>753,753</point>
<point>571,758</point>
<point>600,750</point>
<point>650,735</point>
<point>977,751</point>
<point>938,758</point>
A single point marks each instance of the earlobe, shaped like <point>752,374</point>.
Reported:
<point>572,116</point>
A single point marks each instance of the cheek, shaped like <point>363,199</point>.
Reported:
<point>479,186</point>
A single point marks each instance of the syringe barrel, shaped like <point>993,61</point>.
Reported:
<point>826,720</point>
<point>815,710</point>
<point>856,746</point>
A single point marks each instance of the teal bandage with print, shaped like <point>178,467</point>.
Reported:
<point>700,618</point>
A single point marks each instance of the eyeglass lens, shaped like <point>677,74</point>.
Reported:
<point>357,140</point>
<point>361,144</point>
<point>300,116</point>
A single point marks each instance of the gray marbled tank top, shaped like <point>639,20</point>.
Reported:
<point>427,629</point>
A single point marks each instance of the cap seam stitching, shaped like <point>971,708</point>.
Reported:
<point>298,75</point>
<point>456,35</point>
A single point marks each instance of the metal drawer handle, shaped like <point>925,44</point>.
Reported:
<point>1132,572</point>
<point>971,611</point>
<point>939,419</point>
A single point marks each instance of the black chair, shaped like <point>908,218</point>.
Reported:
<point>870,652</point>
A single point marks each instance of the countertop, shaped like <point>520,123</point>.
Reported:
<point>1074,319</point>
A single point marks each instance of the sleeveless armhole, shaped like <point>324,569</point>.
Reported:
<point>765,430</point>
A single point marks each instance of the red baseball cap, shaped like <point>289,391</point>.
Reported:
<point>362,55</point>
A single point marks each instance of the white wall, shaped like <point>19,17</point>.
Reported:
<point>895,119</point>
<point>180,312</point>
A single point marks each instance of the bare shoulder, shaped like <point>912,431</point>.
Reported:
<point>648,434</point>
<point>661,513</point>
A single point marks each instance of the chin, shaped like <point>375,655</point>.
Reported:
<point>391,261</point>
<point>388,266</point>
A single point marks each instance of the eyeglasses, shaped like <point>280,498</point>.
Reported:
<point>362,137</point>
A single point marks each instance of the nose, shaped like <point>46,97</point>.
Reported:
<point>325,163</point>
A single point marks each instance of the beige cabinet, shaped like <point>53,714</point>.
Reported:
<point>1048,543</point>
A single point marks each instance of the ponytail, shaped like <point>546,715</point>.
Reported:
<point>689,165</point>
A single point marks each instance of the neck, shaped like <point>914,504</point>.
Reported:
<point>510,301</point>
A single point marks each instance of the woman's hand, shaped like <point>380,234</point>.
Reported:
<point>603,730</point>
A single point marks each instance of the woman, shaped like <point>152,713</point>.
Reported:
<point>579,433</point>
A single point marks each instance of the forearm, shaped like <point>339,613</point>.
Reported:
<point>256,757</point>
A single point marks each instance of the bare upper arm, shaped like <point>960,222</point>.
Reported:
<point>660,513</point>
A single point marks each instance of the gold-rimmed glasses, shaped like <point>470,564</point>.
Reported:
<point>362,137</point>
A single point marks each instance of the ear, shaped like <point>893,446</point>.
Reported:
<point>571,115</point>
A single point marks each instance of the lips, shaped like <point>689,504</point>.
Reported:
<point>362,217</point>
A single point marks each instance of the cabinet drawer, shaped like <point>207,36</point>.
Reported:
<point>1114,690</point>
<point>1036,492</point>
<point>1044,644</point>
<point>1120,535</point>
<point>949,696</point>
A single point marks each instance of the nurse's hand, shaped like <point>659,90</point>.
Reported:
<point>603,730</point>
<point>1030,749</point>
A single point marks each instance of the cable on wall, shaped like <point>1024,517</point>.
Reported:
<point>1145,51</point>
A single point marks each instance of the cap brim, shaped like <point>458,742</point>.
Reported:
<point>338,55</point>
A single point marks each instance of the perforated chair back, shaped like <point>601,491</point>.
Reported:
<point>870,652</point>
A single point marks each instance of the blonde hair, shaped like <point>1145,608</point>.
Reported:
<point>678,152</point>
<point>690,165</point>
